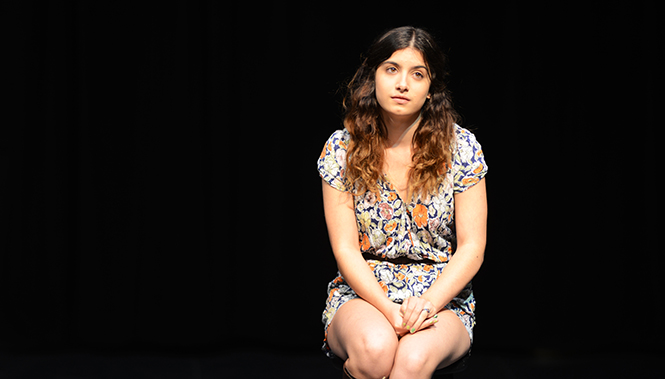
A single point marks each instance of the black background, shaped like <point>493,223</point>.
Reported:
<point>162,193</point>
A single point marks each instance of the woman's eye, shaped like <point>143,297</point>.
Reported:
<point>391,70</point>
<point>419,75</point>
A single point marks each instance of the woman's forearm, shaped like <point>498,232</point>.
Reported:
<point>471,227</point>
<point>359,276</point>
<point>462,267</point>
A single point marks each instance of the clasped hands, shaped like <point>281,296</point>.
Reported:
<point>414,315</point>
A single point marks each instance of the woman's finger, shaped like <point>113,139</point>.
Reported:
<point>420,318</point>
<point>416,310</point>
<point>429,322</point>
<point>411,312</point>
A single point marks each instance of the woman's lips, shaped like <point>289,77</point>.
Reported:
<point>400,99</point>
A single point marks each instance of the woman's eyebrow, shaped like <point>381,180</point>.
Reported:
<point>392,63</point>
<point>398,65</point>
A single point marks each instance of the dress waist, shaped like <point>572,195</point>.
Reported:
<point>398,261</point>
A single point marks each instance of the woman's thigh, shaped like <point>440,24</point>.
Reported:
<point>435,347</point>
<point>358,328</point>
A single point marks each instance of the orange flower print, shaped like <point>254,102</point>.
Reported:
<point>420,215</point>
<point>392,196</point>
<point>331,295</point>
<point>384,287</point>
<point>390,226</point>
<point>469,181</point>
<point>478,169</point>
<point>364,243</point>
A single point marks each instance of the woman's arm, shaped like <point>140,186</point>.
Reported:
<point>471,227</point>
<point>343,233</point>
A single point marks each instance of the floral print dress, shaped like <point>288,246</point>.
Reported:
<point>390,227</point>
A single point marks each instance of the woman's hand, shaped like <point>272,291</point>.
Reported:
<point>394,316</point>
<point>417,314</point>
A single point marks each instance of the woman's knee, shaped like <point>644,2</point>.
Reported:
<point>415,361</point>
<point>417,358</point>
<point>421,354</point>
<point>372,354</point>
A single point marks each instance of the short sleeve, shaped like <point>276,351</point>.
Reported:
<point>332,162</point>
<point>468,166</point>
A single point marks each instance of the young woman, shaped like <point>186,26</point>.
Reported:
<point>406,210</point>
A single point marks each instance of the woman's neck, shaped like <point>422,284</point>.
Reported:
<point>400,129</point>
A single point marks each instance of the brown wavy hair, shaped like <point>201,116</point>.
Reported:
<point>434,136</point>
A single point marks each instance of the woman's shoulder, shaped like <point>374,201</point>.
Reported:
<point>463,135</point>
<point>341,135</point>
<point>339,140</point>
<point>468,163</point>
<point>332,161</point>
<point>465,141</point>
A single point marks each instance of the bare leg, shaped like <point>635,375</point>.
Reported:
<point>419,355</point>
<point>362,335</point>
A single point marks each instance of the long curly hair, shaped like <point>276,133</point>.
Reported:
<point>434,136</point>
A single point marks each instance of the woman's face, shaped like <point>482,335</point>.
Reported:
<point>402,83</point>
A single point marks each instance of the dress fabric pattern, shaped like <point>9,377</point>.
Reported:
<point>389,227</point>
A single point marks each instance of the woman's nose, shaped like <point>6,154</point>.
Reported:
<point>402,85</point>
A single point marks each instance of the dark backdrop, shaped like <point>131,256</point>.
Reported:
<point>162,192</point>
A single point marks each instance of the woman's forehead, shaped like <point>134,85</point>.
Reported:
<point>407,57</point>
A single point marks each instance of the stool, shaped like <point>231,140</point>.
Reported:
<point>446,372</point>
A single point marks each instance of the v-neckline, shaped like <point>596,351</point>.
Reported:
<point>392,187</point>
